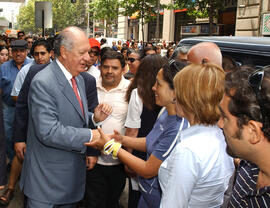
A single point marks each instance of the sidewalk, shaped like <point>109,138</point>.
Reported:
<point>17,201</point>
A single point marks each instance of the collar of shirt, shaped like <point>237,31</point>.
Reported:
<point>65,71</point>
<point>26,61</point>
<point>121,86</point>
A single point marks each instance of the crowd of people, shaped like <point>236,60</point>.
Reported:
<point>78,117</point>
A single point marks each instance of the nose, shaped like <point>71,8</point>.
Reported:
<point>220,123</point>
<point>86,57</point>
<point>154,88</point>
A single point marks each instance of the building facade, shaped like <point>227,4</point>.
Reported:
<point>253,18</point>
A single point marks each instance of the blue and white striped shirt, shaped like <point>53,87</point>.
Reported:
<point>245,194</point>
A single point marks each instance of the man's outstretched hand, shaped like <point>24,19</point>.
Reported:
<point>99,139</point>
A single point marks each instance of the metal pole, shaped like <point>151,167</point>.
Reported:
<point>88,17</point>
<point>43,27</point>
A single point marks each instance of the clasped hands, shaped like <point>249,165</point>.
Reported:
<point>100,139</point>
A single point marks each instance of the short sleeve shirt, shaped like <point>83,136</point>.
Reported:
<point>159,142</point>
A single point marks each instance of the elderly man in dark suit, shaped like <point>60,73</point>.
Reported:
<point>54,165</point>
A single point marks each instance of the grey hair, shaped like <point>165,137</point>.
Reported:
<point>180,50</point>
<point>183,49</point>
<point>64,39</point>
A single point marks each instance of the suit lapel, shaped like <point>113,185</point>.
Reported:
<point>67,90</point>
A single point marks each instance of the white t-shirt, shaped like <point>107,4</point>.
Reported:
<point>116,98</point>
<point>135,108</point>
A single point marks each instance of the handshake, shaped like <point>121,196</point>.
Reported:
<point>109,144</point>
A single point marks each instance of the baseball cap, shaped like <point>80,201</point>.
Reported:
<point>94,43</point>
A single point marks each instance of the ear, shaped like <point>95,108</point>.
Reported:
<point>173,97</point>
<point>63,52</point>
<point>255,131</point>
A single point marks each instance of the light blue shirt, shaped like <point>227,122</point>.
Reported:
<point>20,79</point>
<point>8,73</point>
<point>198,170</point>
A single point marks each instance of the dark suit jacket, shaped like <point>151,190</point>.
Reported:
<point>21,114</point>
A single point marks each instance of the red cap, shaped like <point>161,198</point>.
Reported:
<point>94,43</point>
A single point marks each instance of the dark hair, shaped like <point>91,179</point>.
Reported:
<point>145,78</point>
<point>149,48</point>
<point>104,50</point>
<point>168,51</point>
<point>228,63</point>
<point>113,55</point>
<point>124,49</point>
<point>171,69</point>
<point>243,103</point>
<point>3,47</point>
<point>41,42</point>
<point>21,32</point>
<point>103,40</point>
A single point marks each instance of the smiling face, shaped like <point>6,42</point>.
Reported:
<point>164,95</point>
<point>111,72</point>
<point>75,59</point>
<point>19,55</point>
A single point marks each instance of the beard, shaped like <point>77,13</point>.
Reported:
<point>237,135</point>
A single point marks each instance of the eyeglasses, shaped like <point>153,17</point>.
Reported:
<point>132,59</point>
<point>95,53</point>
<point>255,82</point>
<point>30,42</point>
<point>41,53</point>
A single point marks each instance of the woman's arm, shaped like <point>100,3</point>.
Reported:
<point>146,169</point>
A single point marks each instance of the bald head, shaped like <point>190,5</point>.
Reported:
<point>68,38</point>
<point>207,51</point>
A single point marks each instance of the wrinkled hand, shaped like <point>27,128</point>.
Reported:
<point>99,142</point>
<point>91,162</point>
<point>102,111</point>
<point>20,149</point>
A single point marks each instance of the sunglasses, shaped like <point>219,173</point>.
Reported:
<point>95,53</point>
<point>30,42</point>
<point>255,82</point>
<point>132,59</point>
<point>41,53</point>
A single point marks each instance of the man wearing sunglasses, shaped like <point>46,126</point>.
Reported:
<point>94,55</point>
<point>41,51</point>
<point>245,116</point>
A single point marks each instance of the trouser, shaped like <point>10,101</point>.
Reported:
<point>31,203</point>
<point>8,116</point>
<point>133,196</point>
<point>104,185</point>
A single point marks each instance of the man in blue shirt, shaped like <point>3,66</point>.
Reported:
<point>8,73</point>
